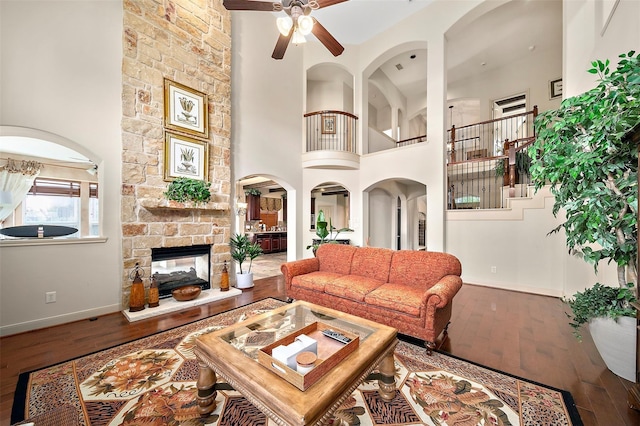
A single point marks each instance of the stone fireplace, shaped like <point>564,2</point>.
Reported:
<point>175,267</point>
<point>189,43</point>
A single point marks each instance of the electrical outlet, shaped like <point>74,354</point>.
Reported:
<point>494,269</point>
<point>50,297</point>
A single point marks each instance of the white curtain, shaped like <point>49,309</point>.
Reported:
<point>16,178</point>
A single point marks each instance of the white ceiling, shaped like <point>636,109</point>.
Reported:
<point>356,21</point>
<point>503,35</point>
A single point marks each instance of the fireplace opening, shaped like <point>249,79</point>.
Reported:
<point>175,267</point>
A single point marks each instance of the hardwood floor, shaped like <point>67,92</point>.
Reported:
<point>518,333</point>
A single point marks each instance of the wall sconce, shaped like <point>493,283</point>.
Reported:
<point>241,208</point>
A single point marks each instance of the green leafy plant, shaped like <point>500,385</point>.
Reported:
<point>523,164</point>
<point>582,151</point>
<point>185,189</point>
<point>252,191</point>
<point>242,248</point>
<point>325,233</point>
<point>599,301</point>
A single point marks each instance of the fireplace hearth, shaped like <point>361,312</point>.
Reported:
<point>175,267</point>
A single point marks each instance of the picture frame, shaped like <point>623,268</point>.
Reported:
<point>329,124</point>
<point>555,88</point>
<point>185,157</point>
<point>185,109</point>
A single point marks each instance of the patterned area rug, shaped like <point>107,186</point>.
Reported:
<point>151,381</point>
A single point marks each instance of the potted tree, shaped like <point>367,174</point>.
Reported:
<point>581,150</point>
<point>241,249</point>
<point>325,233</point>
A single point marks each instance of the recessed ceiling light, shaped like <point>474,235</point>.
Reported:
<point>532,47</point>
<point>483,63</point>
<point>412,56</point>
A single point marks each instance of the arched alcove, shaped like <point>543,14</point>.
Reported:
<point>63,189</point>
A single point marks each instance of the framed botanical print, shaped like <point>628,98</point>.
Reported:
<point>185,157</point>
<point>185,109</point>
<point>328,124</point>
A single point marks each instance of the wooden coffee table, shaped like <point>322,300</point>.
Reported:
<point>232,354</point>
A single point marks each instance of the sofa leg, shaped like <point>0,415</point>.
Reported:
<point>446,329</point>
<point>430,347</point>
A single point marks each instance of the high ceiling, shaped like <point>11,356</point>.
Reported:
<point>505,34</point>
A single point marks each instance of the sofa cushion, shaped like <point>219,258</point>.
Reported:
<point>421,268</point>
<point>352,287</point>
<point>372,262</point>
<point>315,280</point>
<point>335,258</point>
<point>397,297</point>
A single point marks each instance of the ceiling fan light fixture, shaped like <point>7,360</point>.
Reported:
<point>284,24</point>
<point>298,38</point>
<point>305,24</point>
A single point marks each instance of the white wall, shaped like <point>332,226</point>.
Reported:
<point>586,39</point>
<point>517,244</point>
<point>60,73</point>
<point>530,75</point>
<point>267,110</point>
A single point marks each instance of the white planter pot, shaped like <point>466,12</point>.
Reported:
<point>244,280</point>
<point>616,342</point>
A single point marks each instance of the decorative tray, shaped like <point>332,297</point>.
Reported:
<point>330,353</point>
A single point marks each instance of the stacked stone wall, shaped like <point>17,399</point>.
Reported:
<point>189,42</point>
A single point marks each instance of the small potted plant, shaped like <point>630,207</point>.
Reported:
<point>325,233</point>
<point>241,249</point>
<point>185,189</point>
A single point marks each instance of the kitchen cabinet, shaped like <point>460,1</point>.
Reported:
<point>253,207</point>
<point>264,242</point>
<point>270,242</point>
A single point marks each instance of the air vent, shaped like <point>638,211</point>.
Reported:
<point>399,67</point>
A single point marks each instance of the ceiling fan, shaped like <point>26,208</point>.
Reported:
<point>296,24</point>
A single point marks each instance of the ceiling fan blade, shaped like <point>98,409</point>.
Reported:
<point>326,38</point>
<point>264,6</point>
<point>281,45</point>
<point>326,3</point>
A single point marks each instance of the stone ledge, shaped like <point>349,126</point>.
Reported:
<point>171,305</point>
<point>164,204</point>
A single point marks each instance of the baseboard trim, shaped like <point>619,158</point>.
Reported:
<point>7,330</point>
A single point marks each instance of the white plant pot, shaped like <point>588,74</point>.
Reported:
<point>244,280</point>
<point>616,342</point>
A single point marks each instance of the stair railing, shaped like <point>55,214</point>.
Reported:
<point>484,159</point>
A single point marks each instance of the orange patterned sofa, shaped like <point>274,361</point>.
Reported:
<point>405,289</point>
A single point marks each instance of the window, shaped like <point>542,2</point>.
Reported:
<point>61,202</point>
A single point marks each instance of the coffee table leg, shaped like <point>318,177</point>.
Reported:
<point>206,390</point>
<point>387,384</point>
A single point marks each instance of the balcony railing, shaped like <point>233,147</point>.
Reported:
<point>488,138</point>
<point>411,141</point>
<point>331,131</point>
<point>488,162</point>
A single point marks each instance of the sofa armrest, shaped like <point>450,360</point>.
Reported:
<point>441,294</point>
<point>298,267</point>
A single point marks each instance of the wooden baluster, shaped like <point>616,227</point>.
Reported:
<point>512,169</point>
<point>505,163</point>
<point>453,144</point>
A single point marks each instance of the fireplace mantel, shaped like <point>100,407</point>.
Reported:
<point>164,204</point>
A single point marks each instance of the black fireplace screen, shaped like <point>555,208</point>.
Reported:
<point>175,267</point>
